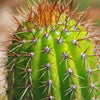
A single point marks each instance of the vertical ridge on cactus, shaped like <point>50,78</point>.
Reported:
<point>51,55</point>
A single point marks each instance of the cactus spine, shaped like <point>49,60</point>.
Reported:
<point>51,56</point>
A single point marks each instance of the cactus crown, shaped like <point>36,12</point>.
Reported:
<point>48,13</point>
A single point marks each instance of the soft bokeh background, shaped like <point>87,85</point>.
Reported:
<point>6,22</point>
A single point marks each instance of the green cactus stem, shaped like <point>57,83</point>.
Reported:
<point>51,56</point>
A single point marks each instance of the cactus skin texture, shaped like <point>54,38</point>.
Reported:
<point>51,56</point>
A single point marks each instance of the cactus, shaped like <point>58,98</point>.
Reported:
<point>52,56</point>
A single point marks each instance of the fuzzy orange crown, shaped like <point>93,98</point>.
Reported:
<point>48,13</point>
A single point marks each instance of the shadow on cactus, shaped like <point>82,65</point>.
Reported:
<point>52,56</point>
